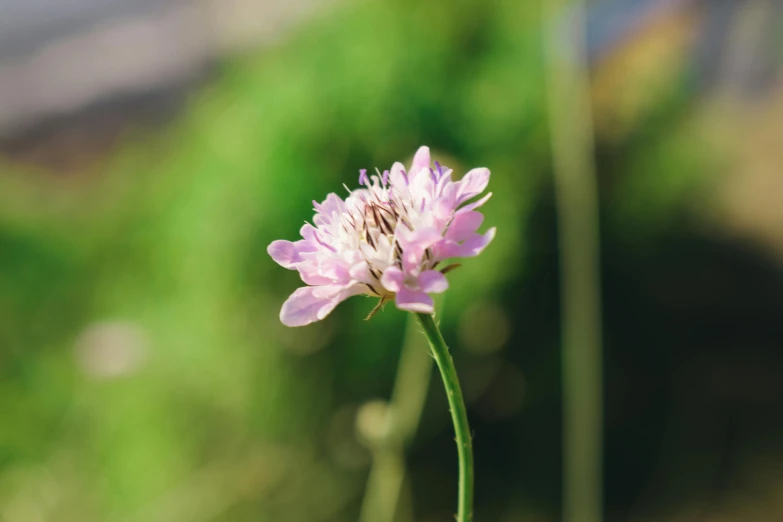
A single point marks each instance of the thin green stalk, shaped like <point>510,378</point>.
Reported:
<point>576,193</point>
<point>459,415</point>
<point>387,474</point>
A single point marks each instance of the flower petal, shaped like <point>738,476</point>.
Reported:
<point>441,212</point>
<point>432,281</point>
<point>360,271</point>
<point>313,303</point>
<point>304,308</point>
<point>464,225</point>
<point>392,279</point>
<point>308,232</point>
<point>284,253</point>
<point>443,181</point>
<point>476,243</point>
<point>414,244</point>
<point>310,272</point>
<point>413,301</point>
<point>473,184</point>
<point>418,240</point>
<point>397,176</point>
<point>421,160</point>
<point>471,247</point>
<point>335,269</point>
<point>329,291</point>
<point>333,203</point>
<point>475,204</point>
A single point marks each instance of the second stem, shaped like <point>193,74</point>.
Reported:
<point>459,415</point>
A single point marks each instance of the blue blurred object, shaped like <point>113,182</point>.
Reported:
<point>611,22</point>
<point>737,49</point>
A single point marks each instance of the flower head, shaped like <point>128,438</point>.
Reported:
<point>387,239</point>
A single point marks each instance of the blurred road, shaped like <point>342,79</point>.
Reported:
<point>26,24</point>
<point>60,56</point>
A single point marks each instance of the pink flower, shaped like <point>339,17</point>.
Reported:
<point>385,240</point>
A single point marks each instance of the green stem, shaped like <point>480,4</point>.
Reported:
<point>576,193</point>
<point>459,415</point>
<point>386,481</point>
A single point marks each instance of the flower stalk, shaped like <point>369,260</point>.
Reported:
<point>459,415</point>
<point>577,201</point>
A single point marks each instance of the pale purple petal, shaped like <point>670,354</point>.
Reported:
<point>473,184</point>
<point>321,220</point>
<point>441,212</point>
<point>464,225</point>
<point>422,189</point>
<point>443,181</point>
<point>284,253</point>
<point>433,282</point>
<point>313,303</point>
<point>449,192</point>
<point>418,240</point>
<point>320,240</point>
<point>471,247</point>
<point>475,204</point>
<point>397,176</point>
<point>439,215</point>
<point>335,269</point>
<point>310,273</point>
<point>308,232</point>
<point>330,290</point>
<point>304,308</point>
<point>332,204</point>
<point>447,249</point>
<point>475,244</point>
<point>413,301</point>
<point>411,261</point>
<point>360,271</point>
<point>392,279</point>
<point>415,243</point>
<point>421,160</point>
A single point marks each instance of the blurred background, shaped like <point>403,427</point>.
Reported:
<point>150,150</point>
